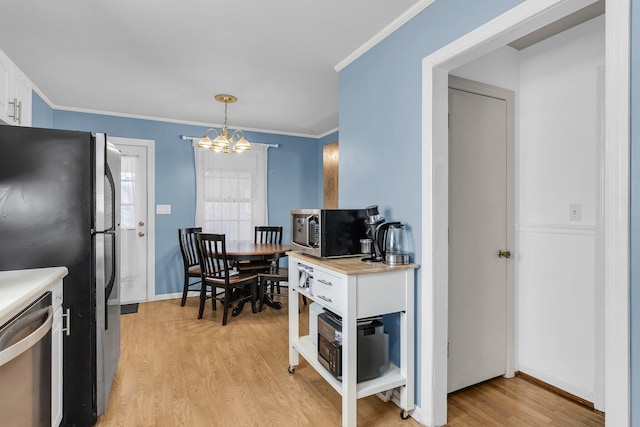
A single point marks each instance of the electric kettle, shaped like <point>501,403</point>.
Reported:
<point>392,243</point>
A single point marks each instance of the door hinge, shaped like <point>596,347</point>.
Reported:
<point>448,349</point>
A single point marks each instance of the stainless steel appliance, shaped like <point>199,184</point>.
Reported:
<point>373,346</point>
<point>25,366</point>
<point>60,206</point>
<point>372,222</point>
<point>389,239</point>
<point>327,233</point>
<point>395,245</point>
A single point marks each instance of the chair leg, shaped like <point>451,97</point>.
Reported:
<point>256,296</point>
<point>227,303</point>
<point>185,290</point>
<point>203,298</point>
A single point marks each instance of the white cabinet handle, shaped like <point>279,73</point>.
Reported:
<point>327,299</point>
<point>67,315</point>
<point>17,110</point>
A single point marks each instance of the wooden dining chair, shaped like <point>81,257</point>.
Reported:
<point>270,278</point>
<point>217,273</point>
<point>262,234</point>
<point>190,260</point>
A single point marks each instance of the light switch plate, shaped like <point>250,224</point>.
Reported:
<point>163,209</point>
<point>575,212</point>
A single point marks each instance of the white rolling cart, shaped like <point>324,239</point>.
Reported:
<point>355,290</point>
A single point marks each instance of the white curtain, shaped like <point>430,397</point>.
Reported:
<point>231,192</point>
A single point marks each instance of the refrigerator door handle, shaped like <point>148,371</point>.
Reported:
<point>112,200</point>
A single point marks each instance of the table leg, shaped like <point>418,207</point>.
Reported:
<point>268,299</point>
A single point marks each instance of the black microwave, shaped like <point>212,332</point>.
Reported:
<point>328,233</point>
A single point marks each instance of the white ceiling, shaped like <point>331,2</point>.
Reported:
<point>166,59</point>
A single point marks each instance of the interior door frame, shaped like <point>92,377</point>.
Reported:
<point>151,201</point>
<point>517,22</point>
<point>508,97</point>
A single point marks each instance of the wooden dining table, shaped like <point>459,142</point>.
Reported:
<point>256,252</point>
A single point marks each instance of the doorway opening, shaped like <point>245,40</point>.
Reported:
<point>518,22</point>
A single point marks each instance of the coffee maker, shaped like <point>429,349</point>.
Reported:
<point>372,222</point>
<point>388,240</point>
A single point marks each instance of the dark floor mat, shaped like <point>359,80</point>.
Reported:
<point>129,308</point>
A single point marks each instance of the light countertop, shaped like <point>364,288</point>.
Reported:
<point>352,265</point>
<point>18,288</point>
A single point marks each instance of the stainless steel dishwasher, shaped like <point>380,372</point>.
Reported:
<point>25,366</point>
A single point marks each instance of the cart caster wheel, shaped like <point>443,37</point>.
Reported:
<point>404,414</point>
<point>291,369</point>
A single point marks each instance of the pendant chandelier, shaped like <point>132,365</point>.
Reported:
<point>223,143</point>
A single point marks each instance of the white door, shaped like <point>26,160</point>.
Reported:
<point>478,229</point>
<point>134,236</point>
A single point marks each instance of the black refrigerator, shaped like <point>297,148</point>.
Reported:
<point>60,206</point>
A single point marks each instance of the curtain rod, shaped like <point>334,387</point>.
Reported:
<point>196,138</point>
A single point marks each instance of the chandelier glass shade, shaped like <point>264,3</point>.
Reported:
<point>223,143</point>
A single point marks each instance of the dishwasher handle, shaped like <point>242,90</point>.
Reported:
<point>15,350</point>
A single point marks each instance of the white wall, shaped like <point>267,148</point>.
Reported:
<point>559,325</point>
<point>559,166</point>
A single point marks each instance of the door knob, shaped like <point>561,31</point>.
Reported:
<point>141,223</point>
<point>141,234</point>
<point>504,254</point>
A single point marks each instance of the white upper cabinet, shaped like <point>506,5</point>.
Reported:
<point>5,77</point>
<point>15,94</point>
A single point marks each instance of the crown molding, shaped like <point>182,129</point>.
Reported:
<point>329,132</point>
<point>382,34</point>
<point>165,120</point>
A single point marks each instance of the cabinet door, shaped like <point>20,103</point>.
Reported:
<point>5,77</point>
<point>22,91</point>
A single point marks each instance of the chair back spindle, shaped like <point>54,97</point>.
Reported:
<point>268,234</point>
<point>188,245</point>
<point>213,253</point>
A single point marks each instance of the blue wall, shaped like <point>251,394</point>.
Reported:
<point>41,113</point>
<point>291,176</point>
<point>381,124</point>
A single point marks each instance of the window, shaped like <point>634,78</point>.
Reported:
<point>231,192</point>
<point>127,193</point>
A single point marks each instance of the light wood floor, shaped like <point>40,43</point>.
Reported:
<point>176,370</point>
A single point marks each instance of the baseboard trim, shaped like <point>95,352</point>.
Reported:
<point>556,390</point>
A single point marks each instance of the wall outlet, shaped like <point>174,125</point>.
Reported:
<point>575,212</point>
<point>163,209</point>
